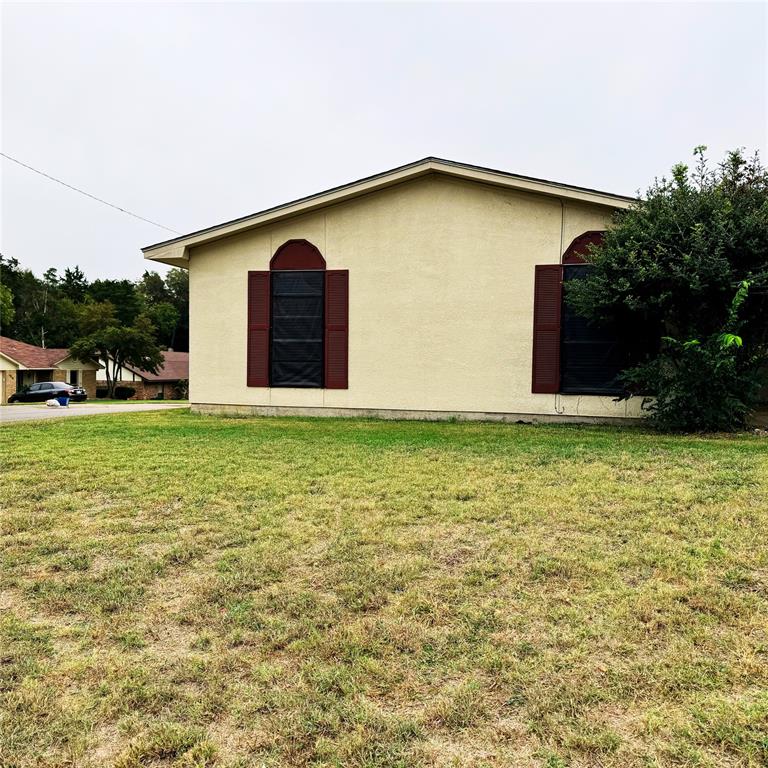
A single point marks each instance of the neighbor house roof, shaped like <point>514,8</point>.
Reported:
<point>175,251</point>
<point>175,367</point>
<point>30,356</point>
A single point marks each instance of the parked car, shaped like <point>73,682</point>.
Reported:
<point>45,390</point>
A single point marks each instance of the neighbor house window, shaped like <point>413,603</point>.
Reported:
<point>298,321</point>
<point>74,378</point>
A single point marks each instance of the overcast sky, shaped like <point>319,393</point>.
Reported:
<point>192,114</point>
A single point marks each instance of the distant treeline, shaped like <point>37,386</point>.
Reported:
<point>48,311</point>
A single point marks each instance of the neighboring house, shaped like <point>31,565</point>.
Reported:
<point>430,291</point>
<point>168,383</point>
<point>23,364</point>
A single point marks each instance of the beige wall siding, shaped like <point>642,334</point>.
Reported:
<point>123,374</point>
<point>70,364</point>
<point>7,364</point>
<point>441,300</point>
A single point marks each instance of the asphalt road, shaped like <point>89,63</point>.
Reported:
<point>10,414</point>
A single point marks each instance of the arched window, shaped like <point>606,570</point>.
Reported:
<point>570,354</point>
<point>297,321</point>
<point>297,254</point>
<point>591,355</point>
<point>297,328</point>
<point>579,248</point>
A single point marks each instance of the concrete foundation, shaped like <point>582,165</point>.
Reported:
<point>246,411</point>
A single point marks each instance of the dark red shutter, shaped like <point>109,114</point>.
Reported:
<point>547,302</point>
<point>258,329</point>
<point>336,328</point>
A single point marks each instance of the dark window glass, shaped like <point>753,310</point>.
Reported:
<point>46,386</point>
<point>591,356</point>
<point>296,348</point>
<point>35,388</point>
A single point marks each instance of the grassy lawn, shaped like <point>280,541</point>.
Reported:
<point>153,401</point>
<point>188,591</point>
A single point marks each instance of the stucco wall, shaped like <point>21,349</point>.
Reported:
<point>440,305</point>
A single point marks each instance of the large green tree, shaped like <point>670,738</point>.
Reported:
<point>7,311</point>
<point>107,340</point>
<point>41,314</point>
<point>158,304</point>
<point>177,284</point>
<point>47,311</point>
<point>687,268</point>
<point>152,289</point>
<point>74,284</point>
<point>121,294</point>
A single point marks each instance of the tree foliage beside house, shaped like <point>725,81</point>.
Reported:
<point>48,311</point>
<point>7,311</point>
<point>106,338</point>
<point>687,268</point>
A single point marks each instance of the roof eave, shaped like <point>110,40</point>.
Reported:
<point>173,254</point>
<point>13,360</point>
<point>176,251</point>
<point>22,367</point>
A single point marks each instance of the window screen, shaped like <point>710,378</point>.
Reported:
<point>591,356</point>
<point>296,342</point>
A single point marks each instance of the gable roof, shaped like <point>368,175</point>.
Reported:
<point>175,366</point>
<point>175,251</point>
<point>30,356</point>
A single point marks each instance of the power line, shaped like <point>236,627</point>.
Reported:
<point>87,194</point>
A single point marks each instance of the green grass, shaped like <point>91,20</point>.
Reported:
<point>179,590</point>
<point>153,400</point>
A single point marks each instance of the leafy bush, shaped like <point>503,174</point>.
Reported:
<point>702,386</point>
<point>182,389</point>
<point>124,393</point>
<point>102,392</point>
<point>667,271</point>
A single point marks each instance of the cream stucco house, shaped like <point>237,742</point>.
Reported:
<point>430,291</point>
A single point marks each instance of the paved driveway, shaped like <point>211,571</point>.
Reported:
<point>33,411</point>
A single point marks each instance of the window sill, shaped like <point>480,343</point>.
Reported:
<point>594,392</point>
<point>293,386</point>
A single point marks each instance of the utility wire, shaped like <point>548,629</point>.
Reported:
<point>87,194</point>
